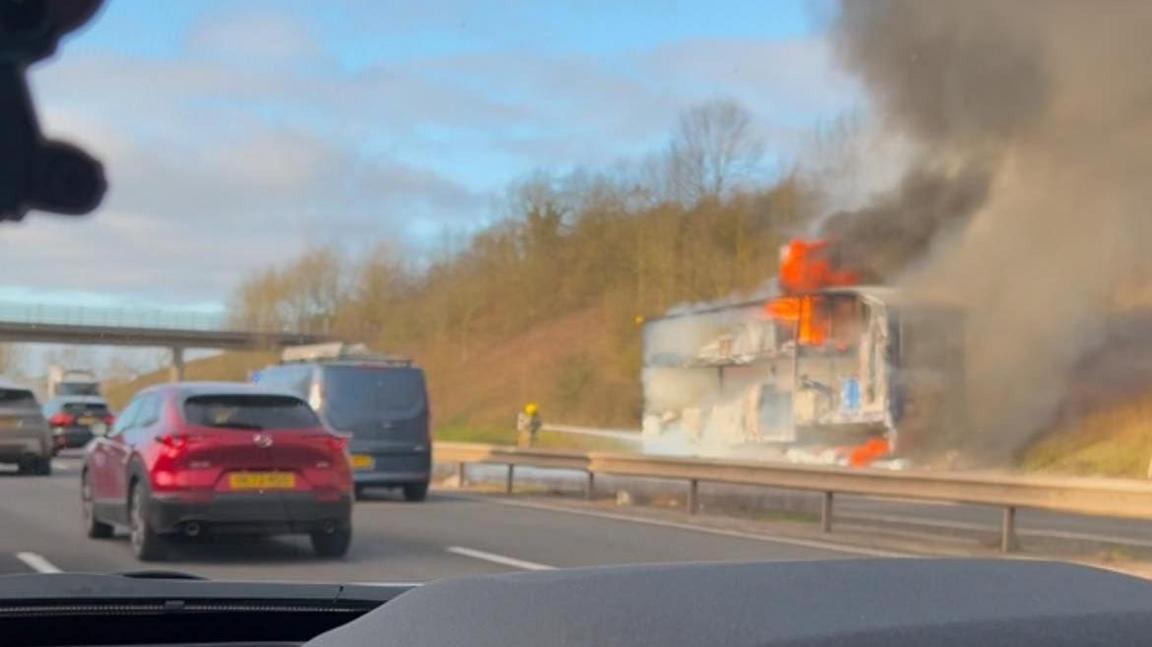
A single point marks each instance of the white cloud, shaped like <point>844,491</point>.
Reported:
<point>254,37</point>
<point>256,144</point>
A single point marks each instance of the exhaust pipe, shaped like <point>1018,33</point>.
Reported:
<point>192,529</point>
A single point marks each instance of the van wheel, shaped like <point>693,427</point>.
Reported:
<point>332,544</point>
<point>415,492</point>
<point>93,527</point>
<point>147,544</point>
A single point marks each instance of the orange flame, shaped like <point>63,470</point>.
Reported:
<point>804,269</point>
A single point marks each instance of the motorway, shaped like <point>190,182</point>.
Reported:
<point>394,541</point>
<point>1053,533</point>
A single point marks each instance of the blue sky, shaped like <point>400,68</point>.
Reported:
<point>237,133</point>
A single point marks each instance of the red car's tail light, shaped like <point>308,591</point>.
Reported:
<point>62,420</point>
<point>174,445</point>
<point>337,443</point>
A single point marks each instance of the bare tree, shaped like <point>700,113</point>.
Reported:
<point>258,302</point>
<point>713,148</point>
<point>303,295</point>
<point>316,289</point>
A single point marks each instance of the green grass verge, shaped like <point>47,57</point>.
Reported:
<point>1113,442</point>
<point>461,433</point>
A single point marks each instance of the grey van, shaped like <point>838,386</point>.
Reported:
<point>382,404</point>
<point>25,437</point>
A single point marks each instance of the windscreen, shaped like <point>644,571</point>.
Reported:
<point>85,408</point>
<point>249,412</point>
<point>17,398</point>
<point>78,388</point>
<point>362,395</point>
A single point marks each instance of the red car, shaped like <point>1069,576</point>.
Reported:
<point>192,458</point>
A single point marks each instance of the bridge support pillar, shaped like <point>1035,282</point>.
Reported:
<point>176,368</point>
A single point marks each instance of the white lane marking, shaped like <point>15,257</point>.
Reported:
<point>498,559</point>
<point>805,543</point>
<point>37,563</point>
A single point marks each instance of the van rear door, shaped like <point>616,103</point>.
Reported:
<point>385,409</point>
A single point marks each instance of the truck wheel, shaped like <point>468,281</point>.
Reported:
<point>147,544</point>
<point>415,491</point>
<point>93,527</point>
<point>332,544</point>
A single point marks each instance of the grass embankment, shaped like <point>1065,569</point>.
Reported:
<point>476,398</point>
<point>546,439</point>
<point>1113,442</point>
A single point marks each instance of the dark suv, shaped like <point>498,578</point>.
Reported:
<point>381,403</point>
<point>25,438</point>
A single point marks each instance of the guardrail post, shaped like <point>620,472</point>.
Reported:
<point>693,496</point>
<point>508,483</point>
<point>461,473</point>
<point>826,513</point>
<point>1008,530</point>
<point>590,486</point>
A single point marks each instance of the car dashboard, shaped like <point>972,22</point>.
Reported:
<point>80,610</point>
<point>889,602</point>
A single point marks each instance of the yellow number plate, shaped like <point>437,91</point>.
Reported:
<point>262,481</point>
<point>87,420</point>
<point>363,462</point>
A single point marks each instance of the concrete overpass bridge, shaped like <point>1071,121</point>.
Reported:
<point>174,330</point>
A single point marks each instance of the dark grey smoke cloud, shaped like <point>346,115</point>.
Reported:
<point>881,240</point>
<point>933,66</point>
<point>1031,199</point>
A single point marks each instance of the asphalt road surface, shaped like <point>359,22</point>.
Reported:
<point>933,517</point>
<point>393,541</point>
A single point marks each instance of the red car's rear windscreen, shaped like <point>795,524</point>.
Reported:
<point>249,412</point>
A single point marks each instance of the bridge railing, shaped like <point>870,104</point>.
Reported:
<point>129,317</point>
<point>1102,497</point>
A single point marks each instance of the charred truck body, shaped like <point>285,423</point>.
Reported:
<point>825,372</point>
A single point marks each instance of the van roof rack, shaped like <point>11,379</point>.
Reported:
<point>336,351</point>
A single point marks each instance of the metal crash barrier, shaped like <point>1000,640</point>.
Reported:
<point>1129,499</point>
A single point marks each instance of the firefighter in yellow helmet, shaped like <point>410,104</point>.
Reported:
<point>528,425</point>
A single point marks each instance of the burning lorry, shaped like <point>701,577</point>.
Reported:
<point>826,371</point>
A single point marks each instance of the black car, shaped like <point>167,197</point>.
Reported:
<point>77,419</point>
